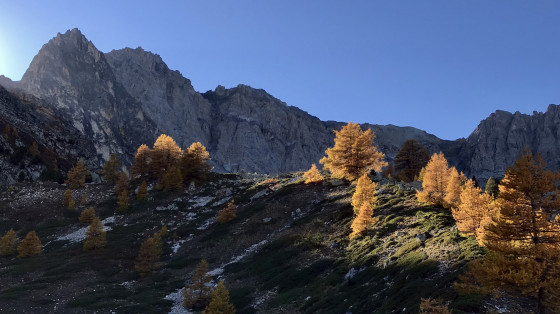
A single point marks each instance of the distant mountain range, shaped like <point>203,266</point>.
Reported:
<point>113,102</point>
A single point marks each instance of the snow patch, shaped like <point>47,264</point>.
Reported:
<point>207,224</point>
<point>200,201</point>
<point>252,249</point>
<point>177,245</point>
<point>177,298</point>
<point>80,234</point>
<point>171,206</point>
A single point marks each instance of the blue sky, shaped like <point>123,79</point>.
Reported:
<point>441,66</point>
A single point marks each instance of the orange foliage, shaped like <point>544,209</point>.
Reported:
<point>474,211</point>
<point>353,153</point>
<point>365,193</point>
<point>523,238</point>
<point>362,221</point>
<point>435,177</point>
<point>312,175</point>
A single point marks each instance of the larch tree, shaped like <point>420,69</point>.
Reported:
<point>110,171</point>
<point>365,193</point>
<point>312,175</point>
<point>122,201</point>
<point>474,211</point>
<point>434,180</point>
<point>220,302</point>
<point>77,175</point>
<point>195,162</point>
<point>433,306</point>
<point>353,153</point>
<point>362,221</point>
<point>227,214</point>
<point>87,216</point>
<point>164,154</point>
<point>388,171</point>
<point>149,255</point>
<point>492,187</point>
<point>142,160</point>
<point>34,150</point>
<point>96,238</point>
<point>122,183</point>
<point>196,295</point>
<point>142,194</point>
<point>453,189</point>
<point>84,201</point>
<point>524,237</point>
<point>30,245</point>
<point>9,243</point>
<point>68,200</point>
<point>411,158</point>
<point>172,179</point>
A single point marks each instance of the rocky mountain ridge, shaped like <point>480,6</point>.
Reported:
<point>126,97</point>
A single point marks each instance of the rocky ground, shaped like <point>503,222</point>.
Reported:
<point>287,250</point>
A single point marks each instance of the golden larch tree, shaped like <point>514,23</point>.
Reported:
<point>142,194</point>
<point>435,177</point>
<point>227,214</point>
<point>312,175</point>
<point>473,212</point>
<point>122,183</point>
<point>353,153</point>
<point>410,159</point>
<point>141,165</point>
<point>149,255</point>
<point>9,243</point>
<point>524,238</point>
<point>453,188</point>
<point>68,200</point>
<point>87,216</point>
<point>30,245</point>
<point>433,306</point>
<point>196,295</point>
<point>365,193</point>
<point>122,201</point>
<point>220,302</point>
<point>77,175</point>
<point>110,171</point>
<point>164,154</point>
<point>84,201</point>
<point>34,150</point>
<point>96,238</point>
<point>172,179</point>
<point>362,221</point>
<point>195,162</point>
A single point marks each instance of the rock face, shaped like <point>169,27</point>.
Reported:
<point>499,139</point>
<point>71,74</point>
<point>36,121</point>
<point>127,97</point>
<point>166,96</point>
<point>7,83</point>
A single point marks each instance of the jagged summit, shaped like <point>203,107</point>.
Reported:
<point>126,97</point>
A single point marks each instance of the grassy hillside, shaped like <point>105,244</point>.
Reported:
<point>287,251</point>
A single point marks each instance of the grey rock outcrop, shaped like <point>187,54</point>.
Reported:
<point>36,121</point>
<point>165,95</point>
<point>72,75</point>
<point>499,139</point>
<point>7,83</point>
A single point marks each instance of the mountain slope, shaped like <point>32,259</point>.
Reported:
<point>287,250</point>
